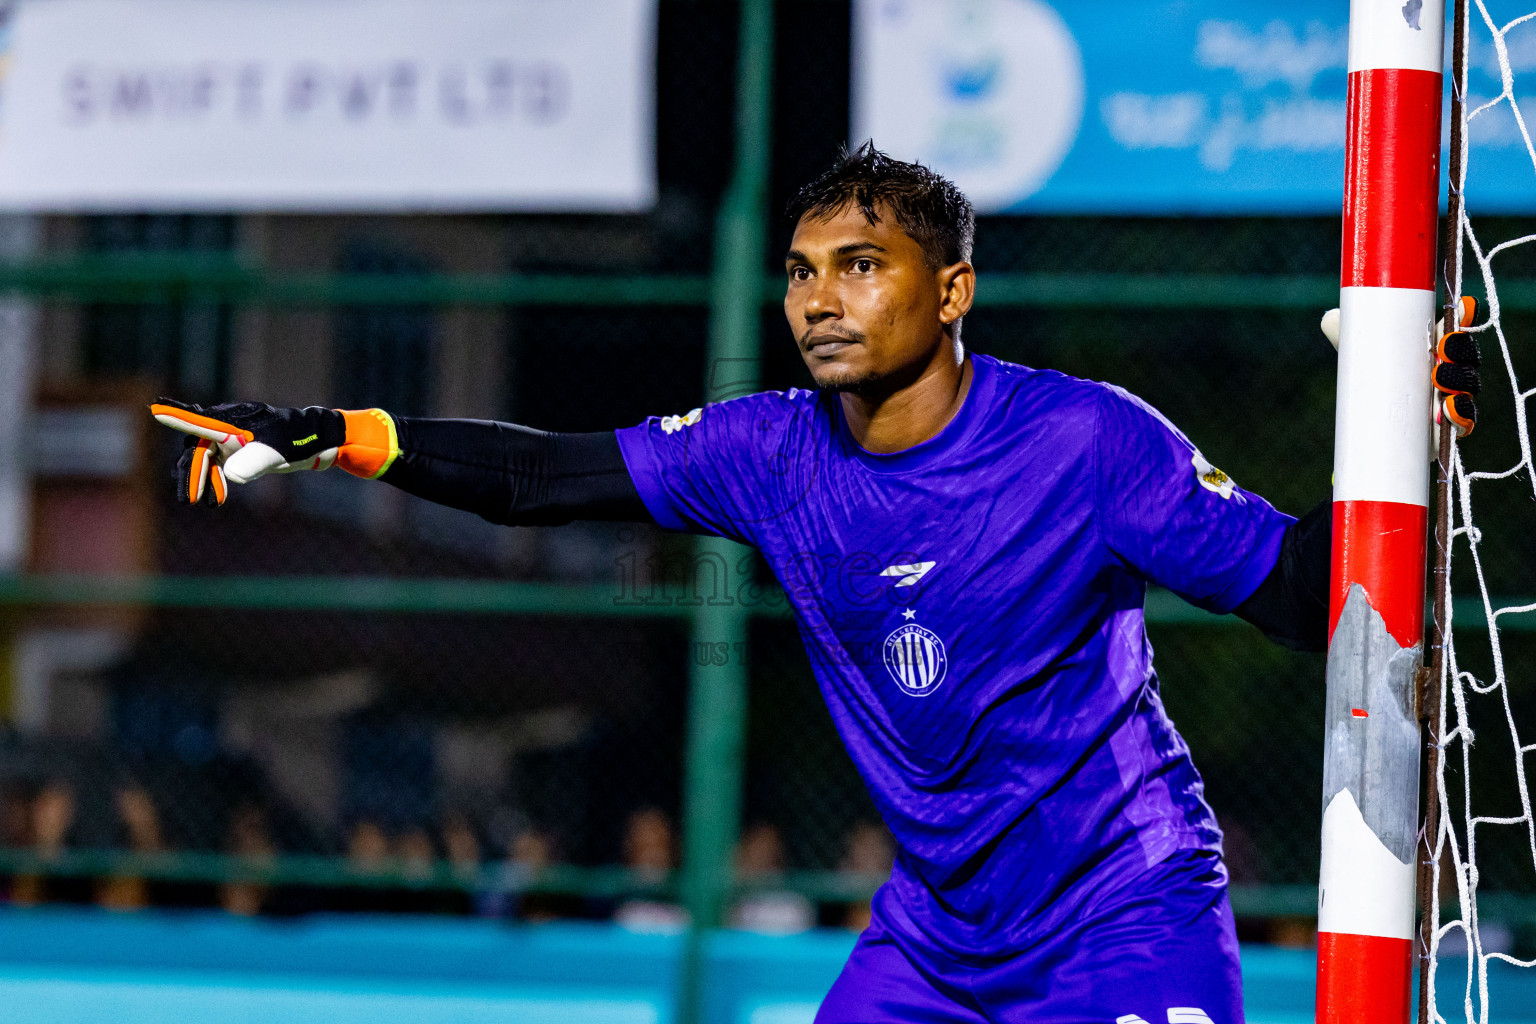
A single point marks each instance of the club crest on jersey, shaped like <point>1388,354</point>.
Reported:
<point>672,424</point>
<point>1211,478</point>
<point>916,659</point>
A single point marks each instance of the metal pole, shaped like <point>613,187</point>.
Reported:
<point>718,692</point>
<point>1381,493</point>
<point>1433,690</point>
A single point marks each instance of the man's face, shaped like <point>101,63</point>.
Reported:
<point>863,304</point>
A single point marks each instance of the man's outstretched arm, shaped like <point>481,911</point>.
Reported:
<point>505,473</point>
<point>513,475</point>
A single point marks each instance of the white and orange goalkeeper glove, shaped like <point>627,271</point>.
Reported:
<point>239,442</point>
<point>1456,375</point>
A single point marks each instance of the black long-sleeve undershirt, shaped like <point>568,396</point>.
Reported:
<point>515,476</point>
<point>1291,605</point>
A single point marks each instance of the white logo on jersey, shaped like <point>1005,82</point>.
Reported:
<point>915,658</point>
<point>672,424</point>
<point>1176,1015</point>
<point>1211,478</point>
<point>1188,1014</point>
<point>910,573</point>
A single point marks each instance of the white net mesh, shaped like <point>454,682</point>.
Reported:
<point>1483,851</point>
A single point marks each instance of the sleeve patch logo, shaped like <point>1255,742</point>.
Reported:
<point>672,424</point>
<point>1211,478</point>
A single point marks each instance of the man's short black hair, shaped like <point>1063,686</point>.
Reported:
<point>926,205</point>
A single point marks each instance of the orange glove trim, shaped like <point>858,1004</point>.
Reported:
<point>1464,424</point>
<point>1468,311</point>
<point>205,473</point>
<point>206,422</point>
<point>1457,407</point>
<point>199,470</point>
<point>372,444</point>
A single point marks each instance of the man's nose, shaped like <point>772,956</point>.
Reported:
<point>822,302</point>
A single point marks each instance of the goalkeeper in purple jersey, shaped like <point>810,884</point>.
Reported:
<point>966,544</point>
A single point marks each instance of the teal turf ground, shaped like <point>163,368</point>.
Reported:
<point>88,967</point>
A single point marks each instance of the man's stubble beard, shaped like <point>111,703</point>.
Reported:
<point>851,383</point>
<point>873,384</point>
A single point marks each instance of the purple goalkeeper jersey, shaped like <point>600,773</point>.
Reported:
<point>972,607</point>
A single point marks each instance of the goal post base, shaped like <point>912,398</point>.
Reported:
<point>1363,979</point>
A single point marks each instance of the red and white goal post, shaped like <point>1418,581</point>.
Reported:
<point>1380,498</point>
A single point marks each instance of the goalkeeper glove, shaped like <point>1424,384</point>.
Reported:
<point>1456,372</point>
<point>239,442</point>
<point>1456,375</point>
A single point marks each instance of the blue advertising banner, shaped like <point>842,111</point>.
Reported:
<point>1136,106</point>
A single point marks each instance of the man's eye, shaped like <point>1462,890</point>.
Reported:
<point>863,266</point>
<point>799,274</point>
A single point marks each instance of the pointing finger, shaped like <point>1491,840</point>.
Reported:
<point>198,425</point>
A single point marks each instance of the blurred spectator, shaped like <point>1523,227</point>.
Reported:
<point>416,855</point>
<point>368,855</point>
<point>868,851</point>
<point>867,858</point>
<point>650,852</point>
<point>15,818</point>
<point>52,821</point>
<point>368,848</point>
<point>462,847</point>
<point>250,840</point>
<point>760,862</point>
<point>15,829</point>
<point>140,819</point>
<point>650,845</point>
<point>53,816</point>
<point>415,859</point>
<point>531,851</point>
<point>461,852</point>
<point>140,823</point>
<point>530,854</point>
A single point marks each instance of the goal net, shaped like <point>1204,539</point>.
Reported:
<point>1480,842</point>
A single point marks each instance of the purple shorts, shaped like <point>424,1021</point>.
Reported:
<point>1162,950</point>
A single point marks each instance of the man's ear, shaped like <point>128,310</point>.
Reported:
<point>957,290</point>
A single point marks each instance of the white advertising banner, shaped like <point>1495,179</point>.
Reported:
<point>328,105</point>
